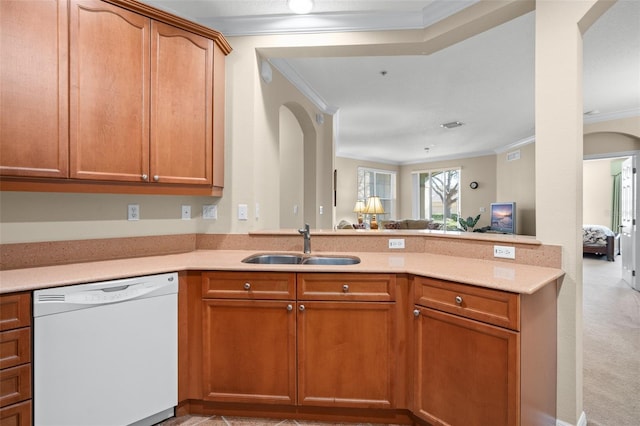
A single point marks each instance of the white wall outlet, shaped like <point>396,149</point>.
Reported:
<point>243,212</point>
<point>505,252</point>
<point>396,243</point>
<point>209,211</point>
<point>257,211</point>
<point>483,209</point>
<point>133,212</point>
<point>186,212</point>
<point>295,209</point>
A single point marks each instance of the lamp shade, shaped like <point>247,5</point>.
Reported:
<point>359,207</point>
<point>374,206</point>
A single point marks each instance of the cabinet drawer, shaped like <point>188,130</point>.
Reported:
<point>495,307</point>
<point>16,414</point>
<point>248,285</point>
<point>15,384</point>
<point>15,347</point>
<point>328,286</point>
<point>15,311</point>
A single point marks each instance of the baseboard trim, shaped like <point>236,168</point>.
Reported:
<point>582,421</point>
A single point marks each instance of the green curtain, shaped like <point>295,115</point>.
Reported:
<point>616,216</point>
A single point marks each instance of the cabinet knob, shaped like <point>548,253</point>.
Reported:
<point>459,300</point>
<point>416,313</point>
<point>145,177</point>
<point>156,178</point>
<point>301,307</point>
<point>247,286</point>
<point>345,288</point>
<point>289,307</point>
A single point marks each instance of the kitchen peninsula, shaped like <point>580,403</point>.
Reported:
<point>390,334</point>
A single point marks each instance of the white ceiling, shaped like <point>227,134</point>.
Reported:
<point>486,82</point>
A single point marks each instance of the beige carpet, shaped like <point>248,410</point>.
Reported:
<point>611,345</point>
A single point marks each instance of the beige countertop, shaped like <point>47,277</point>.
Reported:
<point>500,275</point>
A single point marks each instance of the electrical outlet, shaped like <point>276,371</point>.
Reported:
<point>209,211</point>
<point>505,252</point>
<point>133,212</point>
<point>186,212</point>
<point>396,243</point>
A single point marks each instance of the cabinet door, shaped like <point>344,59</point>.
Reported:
<point>109,94</point>
<point>248,351</point>
<point>466,372</point>
<point>181,106</point>
<point>346,354</point>
<point>34,91</point>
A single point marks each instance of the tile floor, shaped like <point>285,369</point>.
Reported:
<point>194,420</point>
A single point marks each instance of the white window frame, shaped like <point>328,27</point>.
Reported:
<point>363,191</point>
<point>415,183</point>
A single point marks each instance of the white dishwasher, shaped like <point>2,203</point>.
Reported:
<point>106,354</point>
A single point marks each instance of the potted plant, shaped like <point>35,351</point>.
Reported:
<point>468,223</point>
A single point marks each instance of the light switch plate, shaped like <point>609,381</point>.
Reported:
<point>243,212</point>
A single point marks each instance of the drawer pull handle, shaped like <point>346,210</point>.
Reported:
<point>156,178</point>
<point>289,307</point>
<point>301,307</point>
<point>247,286</point>
<point>144,177</point>
<point>345,288</point>
<point>459,300</point>
<point>416,313</point>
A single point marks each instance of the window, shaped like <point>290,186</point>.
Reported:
<point>437,196</point>
<point>381,183</point>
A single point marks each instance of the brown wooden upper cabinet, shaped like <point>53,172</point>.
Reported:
<point>34,131</point>
<point>141,98</point>
<point>145,96</point>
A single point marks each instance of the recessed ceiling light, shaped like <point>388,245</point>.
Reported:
<point>451,124</point>
<point>300,6</point>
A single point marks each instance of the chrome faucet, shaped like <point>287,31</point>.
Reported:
<point>306,233</point>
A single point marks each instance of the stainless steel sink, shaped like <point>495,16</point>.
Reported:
<point>331,260</point>
<point>298,259</point>
<point>274,259</point>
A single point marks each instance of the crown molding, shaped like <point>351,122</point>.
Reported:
<point>302,85</point>
<point>609,116</point>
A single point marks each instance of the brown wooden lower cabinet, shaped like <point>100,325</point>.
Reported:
<point>466,372</point>
<point>346,355</point>
<point>15,359</point>
<point>16,414</point>
<point>376,348</point>
<point>249,351</point>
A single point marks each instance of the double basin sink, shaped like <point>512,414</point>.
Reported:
<point>300,259</point>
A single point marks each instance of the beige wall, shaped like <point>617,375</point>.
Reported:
<point>597,192</point>
<point>516,181</point>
